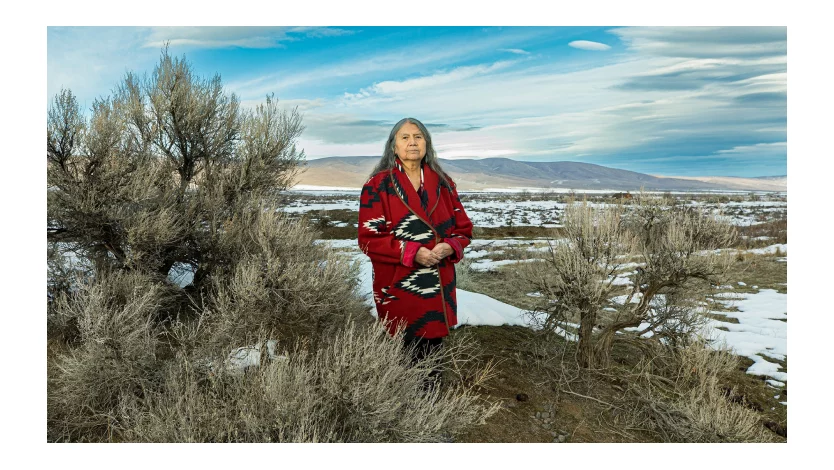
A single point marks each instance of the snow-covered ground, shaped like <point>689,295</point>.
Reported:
<point>504,208</point>
<point>761,331</point>
<point>473,308</point>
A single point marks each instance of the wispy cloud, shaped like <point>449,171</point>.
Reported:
<point>706,42</point>
<point>756,149</point>
<point>321,32</point>
<point>254,37</point>
<point>693,74</point>
<point>589,45</point>
<point>475,152</point>
<point>426,53</point>
<point>515,51</point>
<point>391,87</point>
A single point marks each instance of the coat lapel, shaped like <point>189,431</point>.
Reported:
<point>404,188</point>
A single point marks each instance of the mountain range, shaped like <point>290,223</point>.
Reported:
<point>504,173</point>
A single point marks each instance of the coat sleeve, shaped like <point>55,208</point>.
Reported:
<point>461,234</point>
<point>375,237</point>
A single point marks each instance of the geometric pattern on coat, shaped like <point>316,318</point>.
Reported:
<point>413,229</point>
<point>413,328</point>
<point>449,293</point>
<point>374,196</point>
<point>421,282</point>
<point>384,297</point>
<point>443,228</point>
<point>377,225</point>
<point>394,184</point>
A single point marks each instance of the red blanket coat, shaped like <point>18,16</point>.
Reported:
<point>392,226</point>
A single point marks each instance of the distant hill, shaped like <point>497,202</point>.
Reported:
<point>504,173</point>
<point>760,183</point>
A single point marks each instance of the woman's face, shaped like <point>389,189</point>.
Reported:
<point>410,143</point>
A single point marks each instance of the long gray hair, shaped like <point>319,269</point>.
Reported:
<point>389,159</point>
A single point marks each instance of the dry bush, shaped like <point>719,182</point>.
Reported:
<point>463,274</point>
<point>679,392</point>
<point>148,181</point>
<point>280,285</point>
<point>575,273</point>
<point>776,230</point>
<point>678,247</point>
<point>464,362</point>
<point>112,356</point>
<point>359,388</point>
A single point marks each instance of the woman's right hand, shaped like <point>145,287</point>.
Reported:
<point>426,257</point>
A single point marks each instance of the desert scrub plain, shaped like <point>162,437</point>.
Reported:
<point>192,298</point>
<point>646,393</point>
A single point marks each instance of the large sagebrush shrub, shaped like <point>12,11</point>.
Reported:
<point>679,262</point>
<point>168,251</point>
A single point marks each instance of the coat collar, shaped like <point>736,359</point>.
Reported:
<point>404,188</point>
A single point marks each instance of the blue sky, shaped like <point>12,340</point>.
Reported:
<point>661,100</point>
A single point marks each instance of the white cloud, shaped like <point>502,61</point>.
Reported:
<point>216,37</point>
<point>769,147</point>
<point>422,54</point>
<point>589,45</point>
<point>255,37</point>
<point>314,148</point>
<point>475,153</point>
<point>303,105</point>
<point>515,51</point>
<point>391,87</point>
<point>546,112</point>
<point>715,42</point>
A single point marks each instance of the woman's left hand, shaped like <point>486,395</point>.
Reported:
<point>443,249</point>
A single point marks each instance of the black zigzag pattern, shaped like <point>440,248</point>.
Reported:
<point>397,188</point>
<point>377,225</point>
<point>385,186</point>
<point>447,293</point>
<point>424,200</point>
<point>412,228</point>
<point>444,228</point>
<point>421,282</point>
<point>385,297</point>
<point>429,316</point>
<point>373,196</point>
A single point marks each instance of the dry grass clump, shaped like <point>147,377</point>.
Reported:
<point>112,354</point>
<point>776,230</point>
<point>463,274</point>
<point>679,394</point>
<point>359,388</point>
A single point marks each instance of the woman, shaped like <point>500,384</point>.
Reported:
<point>413,227</point>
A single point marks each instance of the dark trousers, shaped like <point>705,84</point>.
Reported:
<point>425,347</point>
